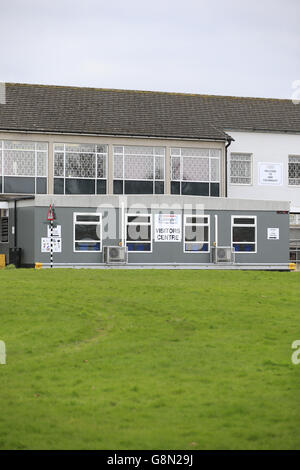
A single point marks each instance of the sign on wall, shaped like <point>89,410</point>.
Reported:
<point>46,245</point>
<point>273,233</point>
<point>168,228</point>
<point>270,173</point>
<point>56,231</point>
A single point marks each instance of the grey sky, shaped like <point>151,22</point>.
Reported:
<point>230,47</point>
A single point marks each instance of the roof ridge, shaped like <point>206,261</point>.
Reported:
<point>118,90</point>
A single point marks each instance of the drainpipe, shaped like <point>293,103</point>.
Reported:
<point>15,223</point>
<point>229,140</point>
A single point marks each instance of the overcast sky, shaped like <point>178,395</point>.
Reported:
<point>232,47</point>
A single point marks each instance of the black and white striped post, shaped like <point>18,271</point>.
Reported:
<point>51,244</point>
<point>50,218</point>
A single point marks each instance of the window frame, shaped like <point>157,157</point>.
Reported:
<point>75,222</point>
<point>95,178</point>
<point>154,155</point>
<point>35,176</point>
<point>197,224</point>
<point>209,157</point>
<point>150,223</point>
<point>238,216</point>
<point>251,169</point>
<point>289,184</point>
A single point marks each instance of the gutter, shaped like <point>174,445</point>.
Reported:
<point>121,136</point>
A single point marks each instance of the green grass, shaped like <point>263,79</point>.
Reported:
<point>149,359</point>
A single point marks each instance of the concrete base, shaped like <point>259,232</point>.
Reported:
<point>219,266</point>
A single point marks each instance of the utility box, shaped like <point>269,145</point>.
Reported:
<point>115,254</point>
<point>222,254</point>
<point>2,261</point>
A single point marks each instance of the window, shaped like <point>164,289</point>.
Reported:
<point>195,171</point>
<point>139,232</point>
<point>294,170</point>
<point>23,167</point>
<point>240,168</point>
<point>294,219</point>
<point>80,168</point>
<point>196,234</point>
<point>87,231</point>
<point>244,233</point>
<point>139,170</point>
<point>295,237</point>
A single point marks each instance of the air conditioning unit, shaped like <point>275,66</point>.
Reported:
<point>222,254</point>
<point>115,254</point>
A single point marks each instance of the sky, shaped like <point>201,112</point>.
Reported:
<point>232,47</point>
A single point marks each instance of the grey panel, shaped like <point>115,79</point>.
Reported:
<point>268,251</point>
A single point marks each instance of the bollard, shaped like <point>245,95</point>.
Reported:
<point>2,261</point>
<point>2,353</point>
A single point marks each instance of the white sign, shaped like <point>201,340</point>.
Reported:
<point>56,231</point>
<point>273,233</point>
<point>46,245</point>
<point>168,228</point>
<point>270,173</point>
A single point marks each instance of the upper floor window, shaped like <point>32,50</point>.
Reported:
<point>195,171</point>
<point>23,167</point>
<point>80,168</point>
<point>294,170</point>
<point>139,170</point>
<point>240,168</point>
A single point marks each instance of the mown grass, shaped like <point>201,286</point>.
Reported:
<point>149,360</point>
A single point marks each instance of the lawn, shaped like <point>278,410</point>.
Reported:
<point>108,359</point>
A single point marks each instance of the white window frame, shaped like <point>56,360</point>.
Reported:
<point>124,154</point>
<point>75,222</point>
<point>95,178</point>
<point>289,184</point>
<point>137,214</point>
<point>251,169</point>
<point>209,157</point>
<point>198,224</point>
<point>36,151</point>
<point>244,225</point>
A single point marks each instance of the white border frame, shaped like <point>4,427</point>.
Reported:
<point>64,177</point>
<point>209,157</point>
<point>134,214</point>
<point>153,180</point>
<point>243,225</point>
<point>198,225</point>
<point>36,151</point>
<point>288,172</point>
<point>280,164</point>
<point>251,169</point>
<point>87,223</point>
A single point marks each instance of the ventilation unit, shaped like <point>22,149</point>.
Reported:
<point>115,254</point>
<point>222,254</point>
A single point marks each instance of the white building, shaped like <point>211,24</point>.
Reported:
<point>266,166</point>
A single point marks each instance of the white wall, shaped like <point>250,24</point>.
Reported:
<point>266,148</point>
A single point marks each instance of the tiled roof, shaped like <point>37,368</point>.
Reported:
<point>61,109</point>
